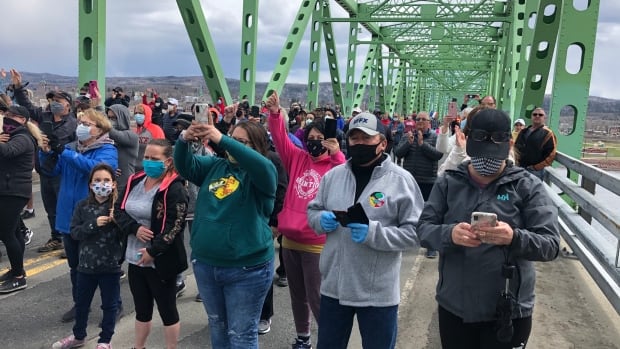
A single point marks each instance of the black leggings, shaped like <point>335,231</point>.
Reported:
<point>146,286</point>
<point>479,335</point>
<point>12,237</point>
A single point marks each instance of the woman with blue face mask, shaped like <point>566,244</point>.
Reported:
<point>73,163</point>
<point>152,216</point>
<point>146,131</point>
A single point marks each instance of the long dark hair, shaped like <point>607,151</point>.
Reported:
<point>319,125</point>
<point>102,166</point>
<point>257,135</point>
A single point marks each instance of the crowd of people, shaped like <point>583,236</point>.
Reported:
<point>345,196</point>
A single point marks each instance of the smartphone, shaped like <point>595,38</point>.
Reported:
<point>481,220</point>
<point>472,96</point>
<point>330,128</point>
<point>452,110</point>
<point>342,217</point>
<point>93,86</point>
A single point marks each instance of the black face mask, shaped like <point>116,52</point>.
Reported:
<point>315,148</point>
<point>362,153</point>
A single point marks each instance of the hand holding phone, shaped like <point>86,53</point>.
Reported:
<point>330,128</point>
<point>482,220</point>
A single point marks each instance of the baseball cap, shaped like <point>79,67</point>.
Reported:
<point>357,110</point>
<point>64,95</point>
<point>173,101</point>
<point>520,121</point>
<point>367,123</point>
<point>19,110</point>
<point>492,121</point>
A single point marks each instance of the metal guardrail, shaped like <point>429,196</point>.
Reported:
<point>585,241</point>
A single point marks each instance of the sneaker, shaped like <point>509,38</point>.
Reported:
<point>104,346</point>
<point>28,236</point>
<point>431,254</point>
<point>27,214</point>
<point>51,245</point>
<point>302,344</point>
<point>198,298</point>
<point>6,276</point>
<point>181,289</point>
<point>68,317</point>
<point>123,275</point>
<point>68,342</point>
<point>264,326</point>
<point>282,281</point>
<point>13,284</point>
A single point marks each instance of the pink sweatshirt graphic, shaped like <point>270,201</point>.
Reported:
<point>304,178</point>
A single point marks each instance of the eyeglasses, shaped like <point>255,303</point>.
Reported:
<point>538,114</point>
<point>421,119</point>
<point>243,141</point>
<point>87,124</point>
<point>495,137</point>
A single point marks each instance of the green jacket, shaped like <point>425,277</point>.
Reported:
<point>233,206</point>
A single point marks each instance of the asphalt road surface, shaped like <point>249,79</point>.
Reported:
<point>570,312</point>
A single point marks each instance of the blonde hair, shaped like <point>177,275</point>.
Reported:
<point>98,118</point>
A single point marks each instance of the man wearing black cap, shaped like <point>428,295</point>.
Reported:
<point>58,123</point>
<point>118,97</point>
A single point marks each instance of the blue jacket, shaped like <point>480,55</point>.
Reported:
<point>74,168</point>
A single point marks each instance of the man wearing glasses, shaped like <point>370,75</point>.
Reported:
<point>535,145</point>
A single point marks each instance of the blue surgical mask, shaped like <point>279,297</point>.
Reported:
<point>153,168</point>
<point>57,108</point>
<point>139,118</point>
<point>83,132</point>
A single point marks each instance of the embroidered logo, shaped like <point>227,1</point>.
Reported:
<point>376,199</point>
<point>307,184</point>
<point>503,197</point>
<point>224,186</point>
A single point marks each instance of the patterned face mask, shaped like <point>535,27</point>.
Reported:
<point>486,166</point>
<point>102,189</point>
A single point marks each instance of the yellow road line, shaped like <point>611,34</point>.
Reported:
<point>49,255</point>
<point>36,270</point>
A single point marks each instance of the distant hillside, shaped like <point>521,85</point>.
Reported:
<point>194,86</point>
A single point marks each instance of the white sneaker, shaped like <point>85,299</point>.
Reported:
<point>264,326</point>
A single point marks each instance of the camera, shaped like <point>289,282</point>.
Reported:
<point>472,96</point>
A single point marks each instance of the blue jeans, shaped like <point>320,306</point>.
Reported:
<point>233,298</point>
<point>378,325</point>
<point>72,250</point>
<point>110,288</point>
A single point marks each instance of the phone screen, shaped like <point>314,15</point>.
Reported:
<point>452,111</point>
<point>330,128</point>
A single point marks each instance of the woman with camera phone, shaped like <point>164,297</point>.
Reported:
<point>489,220</point>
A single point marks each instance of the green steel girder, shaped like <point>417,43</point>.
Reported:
<point>530,91</point>
<point>349,81</point>
<point>389,86</point>
<point>249,35</point>
<point>398,68</point>
<point>314,63</point>
<point>372,88</point>
<point>332,59</point>
<point>380,83</point>
<point>366,73</point>
<point>91,43</point>
<point>204,48</point>
<point>295,36</point>
<point>572,89</point>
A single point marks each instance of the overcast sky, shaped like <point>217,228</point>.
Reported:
<point>148,38</point>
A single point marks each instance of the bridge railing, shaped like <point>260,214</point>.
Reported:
<point>592,246</point>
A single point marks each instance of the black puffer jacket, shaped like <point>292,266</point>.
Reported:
<point>420,160</point>
<point>16,158</point>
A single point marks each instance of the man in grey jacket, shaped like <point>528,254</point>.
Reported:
<point>378,204</point>
<point>126,142</point>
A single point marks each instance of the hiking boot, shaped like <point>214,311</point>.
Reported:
<point>302,344</point>
<point>264,326</point>
<point>68,317</point>
<point>27,214</point>
<point>28,236</point>
<point>68,342</point>
<point>13,284</point>
<point>51,245</point>
<point>181,289</point>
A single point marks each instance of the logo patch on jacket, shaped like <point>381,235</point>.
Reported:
<point>224,186</point>
<point>307,184</point>
<point>376,199</point>
<point>503,197</point>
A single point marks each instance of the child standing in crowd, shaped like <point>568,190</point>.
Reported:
<point>100,254</point>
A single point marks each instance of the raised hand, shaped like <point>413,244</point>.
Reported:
<point>273,103</point>
<point>16,78</point>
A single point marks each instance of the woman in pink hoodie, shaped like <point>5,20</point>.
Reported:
<point>301,245</point>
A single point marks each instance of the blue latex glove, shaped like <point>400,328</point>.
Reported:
<point>359,231</point>
<point>328,221</point>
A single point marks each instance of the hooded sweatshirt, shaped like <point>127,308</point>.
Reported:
<point>146,132</point>
<point>126,142</point>
<point>304,177</point>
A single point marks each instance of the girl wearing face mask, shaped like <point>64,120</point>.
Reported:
<point>152,216</point>
<point>306,120</point>
<point>73,164</point>
<point>17,148</point>
<point>100,254</point>
<point>472,257</point>
<point>146,131</point>
<point>301,245</point>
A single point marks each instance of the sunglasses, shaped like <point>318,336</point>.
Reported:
<point>538,114</point>
<point>495,137</point>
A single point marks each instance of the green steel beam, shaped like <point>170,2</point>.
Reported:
<point>350,78</point>
<point>249,35</point>
<point>332,58</point>
<point>366,72</point>
<point>295,36</point>
<point>415,20</point>
<point>389,86</point>
<point>381,83</point>
<point>314,64</point>
<point>572,88</point>
<point>540,55</point>
<point>204,48</point>
<point>91,43</point>
<point>372,88</point>
<point>398,67</point>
